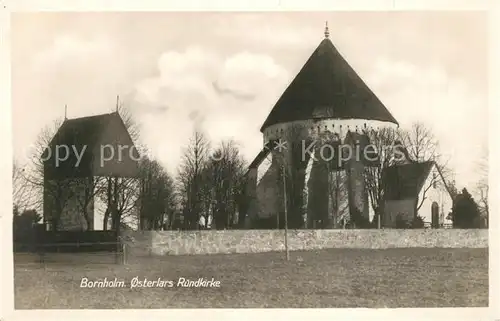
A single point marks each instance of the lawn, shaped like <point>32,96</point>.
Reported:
<point>311,279</point>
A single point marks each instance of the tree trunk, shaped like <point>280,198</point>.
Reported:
<point>115,213</point>
<point>108,208</point>
<point>87,218</point>
<point>55,224</point>
<point>106,219</point>
<point>115,219</point>
<point>57,217</point>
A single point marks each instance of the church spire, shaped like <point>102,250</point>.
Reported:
<point>327,32</point>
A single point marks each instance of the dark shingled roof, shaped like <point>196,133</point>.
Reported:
<point>77,132</point>
<point>327,87</point>
<point>82,131</point>
<point>405,181</point>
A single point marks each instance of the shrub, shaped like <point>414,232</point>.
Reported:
<point>418,222</point>
<point>465,212</point>
<point>23,231</point>
<point>357,220</point>
<point>401,222</point>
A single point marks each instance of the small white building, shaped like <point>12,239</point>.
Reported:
<point>416,188</point>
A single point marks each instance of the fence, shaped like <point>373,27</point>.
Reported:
<point>444,225</point>
<point>55,246</point>
<point>64,252</point>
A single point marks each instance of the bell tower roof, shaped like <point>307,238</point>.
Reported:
<point>327,87</point>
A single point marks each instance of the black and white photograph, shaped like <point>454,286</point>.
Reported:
<point>246,159</point>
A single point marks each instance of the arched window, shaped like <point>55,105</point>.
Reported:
<point>435,215</point>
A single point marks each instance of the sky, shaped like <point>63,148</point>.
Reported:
<point>223,73</point>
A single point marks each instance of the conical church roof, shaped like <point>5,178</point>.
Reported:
<point>327,87</point>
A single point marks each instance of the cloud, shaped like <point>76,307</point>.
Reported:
<point>454,110</point>
<point>234,93</point>
<point>68,47</point>
<point>81,71</point>
<point>86,73</point>
<point>245,71</point>
<point>226,97</point>
<point>179,74</point>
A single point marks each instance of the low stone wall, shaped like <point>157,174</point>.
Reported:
<point>253,241</point>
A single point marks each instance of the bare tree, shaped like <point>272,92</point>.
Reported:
<point>337,180</point>
<point>130,122</point>
<point>382,142</point>
<point>220,185</point>
<point>420,143</point>
<point>422,146</point>
<point>226,180</point>
<point>190,178</point>
<point>32,174</point>
<point>92,186</point>
<point>246,194</point>
<point>17,184</point>
<point>482,186</point>
<point>120,193</point>
<point>51,196</point>
<point>156,196</point>
<point>24,195</point>
<point>338,187</point>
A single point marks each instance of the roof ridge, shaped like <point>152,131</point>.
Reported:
<point>91,116</point>
<point>68,125</point>
<point>412,162</point>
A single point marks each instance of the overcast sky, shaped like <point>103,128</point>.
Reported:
<point>424,66</point>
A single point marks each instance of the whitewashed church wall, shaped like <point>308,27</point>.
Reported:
<point>268,192</point>
<point>314,127</point>
<point>371,212</point>
<point>264,167</point>
<point>436,194</point>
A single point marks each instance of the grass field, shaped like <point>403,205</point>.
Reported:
<point>313,279</point>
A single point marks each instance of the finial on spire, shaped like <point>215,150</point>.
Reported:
<point>327,32</point>
<point>65,111</point>
<point>117,102</point>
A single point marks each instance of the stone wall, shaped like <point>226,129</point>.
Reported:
<point>252,241</point>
